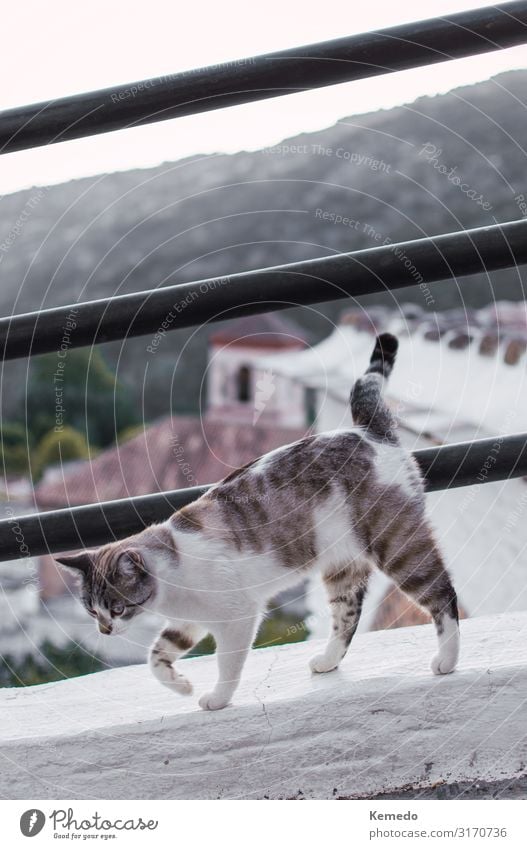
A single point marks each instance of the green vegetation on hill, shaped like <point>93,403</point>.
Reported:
<point>78,391</point>
<point>50,664</point>
<point>72,407</point>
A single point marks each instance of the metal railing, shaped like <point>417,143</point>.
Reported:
<point>310,282</point>
<point>261,77</point>
<point>314,281</point>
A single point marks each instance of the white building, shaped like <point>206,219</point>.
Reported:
<point>239,384</point>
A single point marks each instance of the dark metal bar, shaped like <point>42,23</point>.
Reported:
<point>386,267</point>
<point>445,467</point>
<point>271,75</point>
<point>482,461</point>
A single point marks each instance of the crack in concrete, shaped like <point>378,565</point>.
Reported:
<point>262,702</point>
<point>264,711</point>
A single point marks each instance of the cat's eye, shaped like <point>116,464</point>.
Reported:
<point>91,611</point>
<point>118,608</point>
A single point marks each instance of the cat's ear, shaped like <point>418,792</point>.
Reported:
<point>131,562</point>
<point>80,563</point>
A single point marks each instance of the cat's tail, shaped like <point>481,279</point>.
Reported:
<point>368,407</point>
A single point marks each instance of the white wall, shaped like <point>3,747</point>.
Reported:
<point>380,723</point>
<point>284,404</point>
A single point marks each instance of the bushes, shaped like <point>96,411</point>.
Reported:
<point>51,664</point>
<point>19,456</point>
<point>58,447</point>
<point>129,433</point>
<point>14,448</point>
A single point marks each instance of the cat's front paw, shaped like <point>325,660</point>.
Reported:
<point>181,685</point>
<point>211,701</point>
<point>443,664</point>
<point>173,680</point>
<point>320,663</point>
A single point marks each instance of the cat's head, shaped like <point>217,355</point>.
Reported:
<point>115,584</point>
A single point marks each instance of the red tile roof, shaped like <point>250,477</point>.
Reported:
<point>266,330</point>
<point>176,453</point>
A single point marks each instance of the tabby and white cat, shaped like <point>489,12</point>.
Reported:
<point>341,503</point>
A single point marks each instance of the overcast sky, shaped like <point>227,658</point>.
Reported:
<point>55,48</point>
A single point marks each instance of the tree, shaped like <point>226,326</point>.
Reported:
<point>79,391</point>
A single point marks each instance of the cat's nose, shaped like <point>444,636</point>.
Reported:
<point>105,627</point>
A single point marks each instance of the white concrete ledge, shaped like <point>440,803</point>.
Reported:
<point>379,724</point>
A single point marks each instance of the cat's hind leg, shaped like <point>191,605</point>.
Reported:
<point>418,570</point>
<point>447,625</point>
<point>346,589</point>
<point>173,642</point>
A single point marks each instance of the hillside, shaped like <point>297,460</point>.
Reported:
<point>439,164</point>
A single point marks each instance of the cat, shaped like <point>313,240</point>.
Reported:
<point>343,503</point>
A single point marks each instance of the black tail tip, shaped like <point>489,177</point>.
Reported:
<point>387,344</point>
<point>384,353</point>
